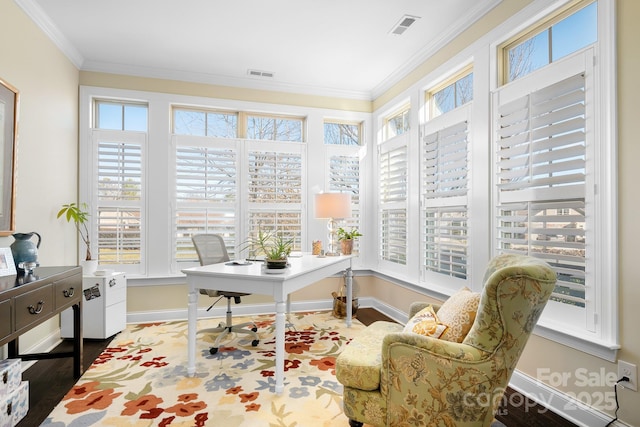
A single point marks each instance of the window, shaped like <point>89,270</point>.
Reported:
<point>205,123</point>
<point>119,137</point>
<point>398,123</point>
<point>218,177</point>
<point>338,133</point>
<point>455,93</point>
<point>547,174</point>
<point>393,166</point>
<point>444,187</point>
<point>206,193</point>
<point>274,190</point>
<point>274,128</point>
<point>115,115</point>
<point>343,150</point>
<point>550,42</point>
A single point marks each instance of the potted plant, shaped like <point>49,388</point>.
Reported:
<point>80,216</point>
<point>346,239</point>
<point>274,246</point>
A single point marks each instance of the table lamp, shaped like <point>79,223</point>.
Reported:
<point>333,206</point>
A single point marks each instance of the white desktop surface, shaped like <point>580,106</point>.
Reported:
<point>253,279</point>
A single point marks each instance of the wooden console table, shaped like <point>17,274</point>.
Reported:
<point>28,300</point>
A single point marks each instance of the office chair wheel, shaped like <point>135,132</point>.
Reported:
<point>213,350</point>
<point>254,343</point>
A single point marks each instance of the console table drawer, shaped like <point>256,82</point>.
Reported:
<point>67,291</point>
<point>33,306</point>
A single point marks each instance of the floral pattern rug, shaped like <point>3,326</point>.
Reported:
<point>141,378</point>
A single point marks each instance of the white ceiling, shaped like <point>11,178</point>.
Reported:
<point>329,47</point>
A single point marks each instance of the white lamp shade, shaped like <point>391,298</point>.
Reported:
<point>333,205</point>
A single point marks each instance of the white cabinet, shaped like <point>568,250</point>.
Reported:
<point>104,307</point>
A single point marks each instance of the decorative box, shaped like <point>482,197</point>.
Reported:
<point>10,376</point>
<point>15,406</point>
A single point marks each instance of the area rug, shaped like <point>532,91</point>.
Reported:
<point>141,378</point>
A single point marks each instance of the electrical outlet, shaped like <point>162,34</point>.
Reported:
<point>630,371</point>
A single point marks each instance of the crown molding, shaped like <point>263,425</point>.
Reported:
<point>219,80</point>
<point>41,19</point>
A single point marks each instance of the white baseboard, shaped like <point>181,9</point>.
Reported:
<point>564,405</point>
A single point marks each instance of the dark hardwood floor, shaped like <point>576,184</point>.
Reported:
<point>50,379</point>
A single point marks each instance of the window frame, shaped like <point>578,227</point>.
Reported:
<point>447,283</point>
<point>205,111</point>
<point>452,80</point>
<point>405,112</point>
<point>346,123</point>
<point>605,342</point>
<point>534,30</point>
<point>243,123</point>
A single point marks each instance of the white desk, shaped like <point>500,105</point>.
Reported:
<point>252,279</point>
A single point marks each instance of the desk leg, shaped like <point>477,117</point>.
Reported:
<point>349,301</point>
<point>191,333</point>
<point>280,326</point>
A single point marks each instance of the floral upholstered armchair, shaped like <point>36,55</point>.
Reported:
<point>397,378</point>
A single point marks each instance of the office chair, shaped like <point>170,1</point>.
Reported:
<point>211,249</point>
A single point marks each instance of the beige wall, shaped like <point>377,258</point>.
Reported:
<point>628,177</point>
<point>47,139</point>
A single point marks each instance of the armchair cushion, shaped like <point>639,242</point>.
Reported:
<point>425,322</point>
<point>359,364</point>
<point>458,312</point>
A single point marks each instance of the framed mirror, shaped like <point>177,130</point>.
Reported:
<point>8,139</point>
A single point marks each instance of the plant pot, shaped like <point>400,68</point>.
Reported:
<point>346,246</point>
<point>275,264</point>
<point>89,266</point>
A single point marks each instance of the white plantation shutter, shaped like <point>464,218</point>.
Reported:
<point>206,172</point>
<point>553,231</point>
<point>541,142</point>
<point>344,177</point>
<point>444,188</point>
<point>393,231</point>
<point>445,170</point>
<point>392,166</point>
<point>119,171</point>
<point>275,177</point>
<point>274,189</point>
<point>445,241</point>
<point>119,196</point>
<point>119,235</point>
<point>287,223</point>
<point>541,145</point>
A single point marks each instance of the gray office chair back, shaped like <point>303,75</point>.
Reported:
<point>210,248</point>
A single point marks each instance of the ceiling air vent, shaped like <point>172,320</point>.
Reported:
<point>404,23</point>
<point>258,73</point>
